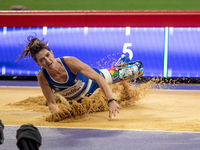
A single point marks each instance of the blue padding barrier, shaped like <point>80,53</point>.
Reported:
<point>100,46</point>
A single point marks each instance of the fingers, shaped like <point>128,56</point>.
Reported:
<point>113,112</point>
<point>114,107</point>
<point>119,107</point>
<point>117,110</point>
<point>110,115</point>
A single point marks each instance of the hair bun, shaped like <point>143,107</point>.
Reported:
<point>33,47</point>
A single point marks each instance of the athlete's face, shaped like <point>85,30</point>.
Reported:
<point>45,59</point>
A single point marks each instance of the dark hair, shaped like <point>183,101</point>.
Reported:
<point>33,47</point>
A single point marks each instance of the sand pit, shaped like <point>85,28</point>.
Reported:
<point>165,110</point>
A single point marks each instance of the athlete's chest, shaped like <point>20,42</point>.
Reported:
<point>62,77</point>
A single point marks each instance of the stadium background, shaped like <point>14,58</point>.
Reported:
<point>103,4</point>
<point>169,110</point>
<point>184,42</point>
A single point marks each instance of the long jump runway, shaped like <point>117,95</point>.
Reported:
<point>104,139</point>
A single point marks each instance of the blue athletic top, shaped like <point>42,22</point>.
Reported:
<point>75,86</point>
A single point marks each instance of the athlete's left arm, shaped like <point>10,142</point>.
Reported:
<point>77,66</point>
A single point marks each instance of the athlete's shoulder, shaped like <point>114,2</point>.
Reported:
<point>73,64</point>
<point>66,58</point>
<point>70,60</point>
<point>40,76</point>
<point>41,79</point>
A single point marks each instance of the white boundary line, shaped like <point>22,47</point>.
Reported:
<point>109,129</point>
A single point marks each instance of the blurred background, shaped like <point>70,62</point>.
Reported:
<point>171,52</point>
<point>103,4</point>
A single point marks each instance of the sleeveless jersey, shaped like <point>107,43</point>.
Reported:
<point>75,85</point>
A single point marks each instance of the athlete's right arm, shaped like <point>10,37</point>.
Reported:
<point>47,92</point>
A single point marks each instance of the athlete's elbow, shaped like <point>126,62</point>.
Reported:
<point>101,80</point>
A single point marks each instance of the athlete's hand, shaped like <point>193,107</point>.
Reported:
<point>114,107</point>
<point>53,108</point>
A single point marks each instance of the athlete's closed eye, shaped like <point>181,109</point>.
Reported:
<point>41,60</point>
<point>48,54</point>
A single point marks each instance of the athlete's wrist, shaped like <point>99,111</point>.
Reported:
<point>110,100</point>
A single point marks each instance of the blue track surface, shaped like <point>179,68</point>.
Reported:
<point>97,139</point>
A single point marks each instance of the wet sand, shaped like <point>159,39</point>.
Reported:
<point>163,110</point>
